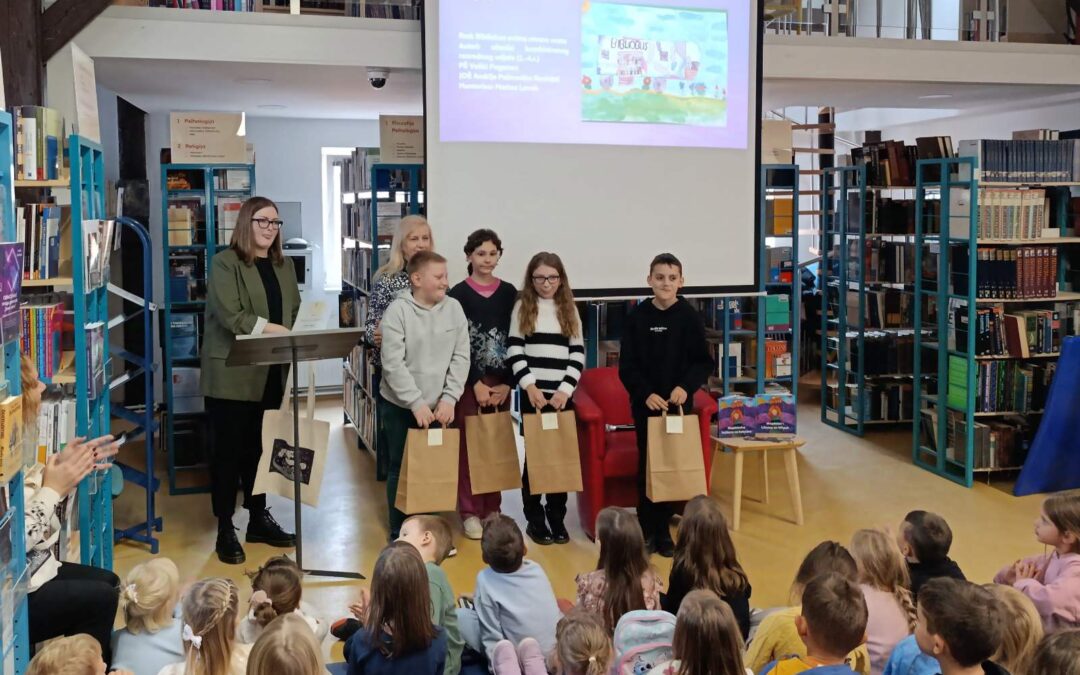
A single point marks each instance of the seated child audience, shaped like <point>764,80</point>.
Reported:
<point>908,659</point>
<point>832,624</point>
<point>1022,630</point>
<point>278,588</point>
<point>513,598</point>
<point>398,637</point>
<point>925,540</point>
<point>705,559</point>
<point>151,636</point>
<point>74,655</point>
<point>623,579</point>
<point>211,610</point>
<point>582,646</point>
<point>707,641</point>
<point>960,625</point>
<point>778,636</point>
<point>431,536</point>
<point>1058,655</point>
<point>286,647</point>
<point>883,578</point>
<point>1052,580</point>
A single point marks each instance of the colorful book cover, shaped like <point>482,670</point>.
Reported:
<point>11,266</point>
<point>736,416</point>
<point>775,413</point>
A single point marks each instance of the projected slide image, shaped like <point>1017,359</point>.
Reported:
<point>657,65</point>
<point>675,73</point>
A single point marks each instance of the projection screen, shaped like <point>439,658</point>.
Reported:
<point>606,132</point>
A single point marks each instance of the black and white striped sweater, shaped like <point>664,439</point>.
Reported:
<point>546,357</point>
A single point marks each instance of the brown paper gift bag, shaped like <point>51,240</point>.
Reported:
<point>675,467</point>
<point>429,472</point>
<point>551,452</point>
<point>492,452</point>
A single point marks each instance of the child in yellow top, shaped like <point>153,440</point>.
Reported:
<point>778,637</point>
<point>832,624</point>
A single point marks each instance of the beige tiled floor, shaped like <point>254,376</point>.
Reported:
<point>847,483</point>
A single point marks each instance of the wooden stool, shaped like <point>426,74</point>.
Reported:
<point>740,446</point>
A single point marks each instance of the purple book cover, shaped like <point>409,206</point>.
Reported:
<point>11,273</point>
<point>736,416</point>
<point>775,413</point>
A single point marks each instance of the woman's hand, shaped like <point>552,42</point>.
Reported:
<point>499,394</point>
<point>483,394</point>
<point>559,399</point>
<point>656,403</point>
<point>64,471</point>
<point>274,328</point>
<point>444,413</point>
<point>536,397</point>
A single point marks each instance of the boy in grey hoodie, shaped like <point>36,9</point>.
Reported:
<point>425,359</point>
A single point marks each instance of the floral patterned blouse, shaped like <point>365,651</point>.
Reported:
<point>386,289</point>
<point>591,587</point>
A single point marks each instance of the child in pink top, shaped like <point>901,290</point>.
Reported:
<point>1052,580</point>
<point>623,579</point>
<point>883,578</point>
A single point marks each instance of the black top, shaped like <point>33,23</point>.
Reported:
<point>923,572</point>
<point>679,587</point>
<point>274,389</point>
<point>489,329</point>
<point>663,349</point>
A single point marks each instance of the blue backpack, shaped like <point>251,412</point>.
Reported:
<point>643,639</point>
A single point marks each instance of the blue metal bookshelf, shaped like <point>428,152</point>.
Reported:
<point>187,252</point>
<point>14,642</point>
<point>359,375</point>
<point>91,306</point>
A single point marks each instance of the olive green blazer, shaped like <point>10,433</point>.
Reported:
<point>236,305</point>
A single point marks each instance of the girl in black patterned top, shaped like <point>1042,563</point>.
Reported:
<point>546,355</point>
<point>488,303</point>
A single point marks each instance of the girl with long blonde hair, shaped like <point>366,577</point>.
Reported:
<point>1023,630</point>
<point>883,577</point>
<point>211,609</point>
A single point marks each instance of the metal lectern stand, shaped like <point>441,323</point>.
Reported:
<point>292,348</point>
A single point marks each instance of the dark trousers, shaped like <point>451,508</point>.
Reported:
<point>653,516</point>
<point>235,449</point>
<point>396,422</point>
<point>79,599</point>
<point>554,511</point>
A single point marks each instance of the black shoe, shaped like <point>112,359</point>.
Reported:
<point>559,534</point>
<point>664,545</point>
<point>343,629</point>
<point>263,529</point>
<point>539,534</point>
<point>229,550</point>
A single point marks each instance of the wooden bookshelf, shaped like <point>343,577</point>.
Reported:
<point>44,184</point>
<point>48,283</point>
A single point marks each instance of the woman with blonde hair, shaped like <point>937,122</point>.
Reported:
<point>151,636</point>
<point>883,577</point>
<point>64,599</point>
<point>286,647</point>
<point>210,614</point>
<point>251,290</point>
<point>413,234</point>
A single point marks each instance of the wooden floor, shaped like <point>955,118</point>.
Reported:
<point>847,483</point>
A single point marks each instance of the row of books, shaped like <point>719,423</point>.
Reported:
<point>356,170</point>
<point>40,142</point>
<point>884,261</point>
<point>996,444</point>
<point>356,221</point>
<point>56,426</point>
<point>1017,273</point>
<point>187,277</point>
<point>881,401</point>
<point>41,228</point>
<point>361,410</point>
<point>881,214</point>
<point>356,267</point>
<point>42,334</point>
<point>1001,386</point>
<point>185,334</point>
<point>890,353</point>
<point>1024,161</point>
<point>195,179</point>
<point>892,163</point>
<point>884,308</point>
<point>11,446</point>
<point>1019,334</point>
<point>1006,213</point>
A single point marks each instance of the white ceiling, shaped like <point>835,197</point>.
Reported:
<point>305,91</point>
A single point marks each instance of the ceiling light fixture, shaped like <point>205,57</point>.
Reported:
<point>929,97</point>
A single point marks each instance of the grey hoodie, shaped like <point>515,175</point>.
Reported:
<point>425,352</point>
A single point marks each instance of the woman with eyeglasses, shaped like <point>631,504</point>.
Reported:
<point>251,290</point>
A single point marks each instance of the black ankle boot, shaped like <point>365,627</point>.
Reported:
<point>539,533</point>
<point>228,546</point>
<point>263,529</point>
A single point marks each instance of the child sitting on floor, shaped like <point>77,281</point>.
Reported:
<point>883,578</point>
<point>513,599</point>
<point>1052,580</point>
<point>707,641</point>
<point>150,638</point>
<point>832,624</point>
<point>211,609</point>
<point>77,654</point>
<point>925,540</point>
<point>960,625</point>
<point>278,590</point>
<point>286,647</point>
<point>623,579</point>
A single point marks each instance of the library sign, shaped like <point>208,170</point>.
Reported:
<point>207,138</point>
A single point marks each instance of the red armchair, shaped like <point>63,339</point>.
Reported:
<point>609,459</point>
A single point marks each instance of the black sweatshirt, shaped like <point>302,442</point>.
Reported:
<point>923,572</point>
<point>489,329</point>
<point>663,349</point>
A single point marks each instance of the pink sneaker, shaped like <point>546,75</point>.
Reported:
<point>531,657</point>
<point>504,659</point>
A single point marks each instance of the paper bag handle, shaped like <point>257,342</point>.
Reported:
<point>664,413</point>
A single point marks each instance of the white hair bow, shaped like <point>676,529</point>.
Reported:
<point>190,636</point>
<point>132,593</point>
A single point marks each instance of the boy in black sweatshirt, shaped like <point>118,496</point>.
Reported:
<point>663,360</point>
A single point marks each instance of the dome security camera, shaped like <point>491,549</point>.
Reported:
<point>378,77</point>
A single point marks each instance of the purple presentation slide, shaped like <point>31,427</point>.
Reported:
<point>671,73</point>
